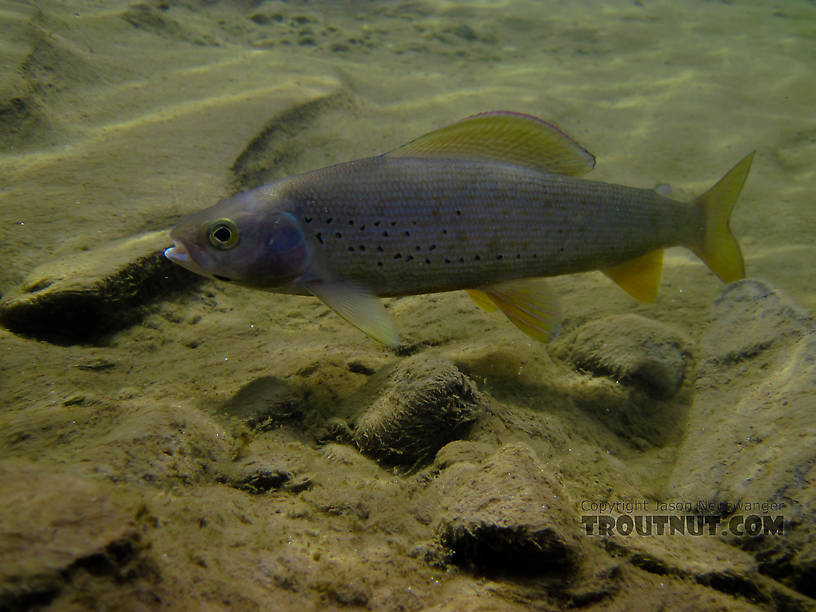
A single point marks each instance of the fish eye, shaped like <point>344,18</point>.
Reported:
<point>223,234</point>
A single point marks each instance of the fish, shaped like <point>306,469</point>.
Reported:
<point>491,204</point>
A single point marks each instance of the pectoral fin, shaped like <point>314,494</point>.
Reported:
<point>529,304</point>
<point>639,277</point>
<point>359,307</point>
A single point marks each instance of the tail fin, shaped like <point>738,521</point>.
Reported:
<point>716,245</point>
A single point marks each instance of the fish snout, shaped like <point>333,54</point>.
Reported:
<point>177,254</point>
<point>180,254</point>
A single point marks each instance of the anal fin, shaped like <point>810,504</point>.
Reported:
<point>530,305</point>
<point>639,277</point>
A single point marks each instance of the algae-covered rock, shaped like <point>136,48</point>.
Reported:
<point>417,407</point>
<point>511,515</point>
<point>751,444</point>
<point>54,524</point>
<point>80,298</point>
<point>461,451</point>
<point>750,317</point>
<point>632,349</point>
<point>267,403</point>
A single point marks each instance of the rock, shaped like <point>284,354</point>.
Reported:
<point>418,406</point>
<point>751,446</point>
<point>631,349</point>
<point>163,444</point>
<point>511,516</point>
<point>81,298</point>
<point>267,403</point>
<point>460,451</point>
<point>748,318</point>
<point>266,156</point>
<point>53,525</point>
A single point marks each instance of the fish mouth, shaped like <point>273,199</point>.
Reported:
<point>178,254</point>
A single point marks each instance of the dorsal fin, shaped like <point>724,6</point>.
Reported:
<point>504,136</point>
<point>639,277</point>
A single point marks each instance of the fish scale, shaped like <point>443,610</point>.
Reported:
<point>404,226</point>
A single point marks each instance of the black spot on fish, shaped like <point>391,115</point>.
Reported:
<point>444,231</point>
<point>361,247</point>
<point>447,260</point>
<point>461,260</point>
<point>535,256</point>
<point>518,256</point>
<point>362,228</point>
<point>380,249</point>
<point>458,212</point>
<point>432,247</point>
<point>413,222</point>
<point>338,234</point>
<point>329,220</point>
<point>498,256</point>
<point>351,248</point>
<point>393,223</point>
<point>379,263</point>
<point>307,219</point>
<point>385,234</point>
<point>409,258</point>
<point>477,258</point>
<point>427,261</point>
<point>351,221</point>
<point>376,224</point>
<point>319,236</point>
<point>398,255</point>
<point>407,233</point>
<point>418,248</point>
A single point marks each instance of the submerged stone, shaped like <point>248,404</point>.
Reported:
<point>632,349</point>
<point>79,299</point>
<point>54,525</point>
<point>751,446</point>
<point>511,516</point>
<point>415,409</point>
<point>267,403</point>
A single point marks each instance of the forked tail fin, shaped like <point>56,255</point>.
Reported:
<point>715,244</point>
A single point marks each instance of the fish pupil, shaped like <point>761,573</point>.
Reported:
<point>222,234</point>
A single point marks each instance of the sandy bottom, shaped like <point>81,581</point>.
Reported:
<point>202,456</point>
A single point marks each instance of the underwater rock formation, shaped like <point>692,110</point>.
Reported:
<point>649,355</point>
<point>56,528</point>
<point>751,445</point>
<point>81,298</point>
<point>420,405</point>
<point>511,516</point>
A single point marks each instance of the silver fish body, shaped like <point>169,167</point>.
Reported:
<point>483,204</point>
<point>404,226</point>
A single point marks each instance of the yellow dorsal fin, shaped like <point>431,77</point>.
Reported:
<point>530,305</point>
<point>482,300</point>
<point>504,136</point>
<point>639,277</point>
